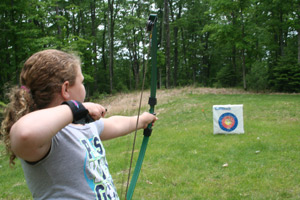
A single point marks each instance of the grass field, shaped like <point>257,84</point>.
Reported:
<point>184,160</point>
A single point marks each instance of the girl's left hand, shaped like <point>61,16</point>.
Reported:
<point>145,119</point>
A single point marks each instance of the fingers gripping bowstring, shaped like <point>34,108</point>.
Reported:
<point>138,116</point>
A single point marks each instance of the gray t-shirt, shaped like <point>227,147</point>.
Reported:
<point>75,168</point>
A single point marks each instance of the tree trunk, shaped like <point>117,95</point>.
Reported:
<point>103,43</point>
<point>175,56</point>
<point>111,43</point>
<point>57,21</point>
<point>299,46</point>
<point>234,52</point>
<point>175,30</point>
<point>134,60</point>
<point>243,51</point>
<point>94,56</point>
<point>299,35</point>
<point>244,69</point>
<point>167,37</point>
<point>15,39</point>
<point>184,52</point>
<point>233,60</point>
<point>281,35</point>
<point>206,61</point>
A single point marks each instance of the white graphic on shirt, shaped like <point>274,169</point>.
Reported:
<point>96,170</point>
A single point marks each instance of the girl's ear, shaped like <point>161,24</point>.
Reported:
<point>65,90</point>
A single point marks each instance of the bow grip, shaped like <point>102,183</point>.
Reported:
<point>148,130</point>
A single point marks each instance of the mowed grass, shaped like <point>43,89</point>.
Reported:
<point>184,160</point>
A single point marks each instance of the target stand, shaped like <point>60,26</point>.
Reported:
<point>228,119</point>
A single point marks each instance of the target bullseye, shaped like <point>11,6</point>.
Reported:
<point>228,122</point>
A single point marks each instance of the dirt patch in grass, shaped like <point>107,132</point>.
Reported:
<point>123,103</point>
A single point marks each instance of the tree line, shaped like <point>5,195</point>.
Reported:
<point>252,44</point>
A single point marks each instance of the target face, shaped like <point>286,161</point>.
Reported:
<point>228,122</point>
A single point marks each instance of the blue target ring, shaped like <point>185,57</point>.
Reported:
<point>228,122</point>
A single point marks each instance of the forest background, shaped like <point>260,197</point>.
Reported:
<point>251,44</point>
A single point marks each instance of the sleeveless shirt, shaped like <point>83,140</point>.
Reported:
<point>75,167</point>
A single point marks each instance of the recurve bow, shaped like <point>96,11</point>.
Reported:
<point>151,27</point>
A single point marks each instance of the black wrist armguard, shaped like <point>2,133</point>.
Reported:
<point>80,113</point>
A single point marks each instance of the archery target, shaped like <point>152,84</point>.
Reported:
<point>228,119</point>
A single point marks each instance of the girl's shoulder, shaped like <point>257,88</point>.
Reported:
<point>97,126</point>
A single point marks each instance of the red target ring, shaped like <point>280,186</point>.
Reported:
<point>228,122</point>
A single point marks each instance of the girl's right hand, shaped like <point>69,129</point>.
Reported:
<point>96,111</point>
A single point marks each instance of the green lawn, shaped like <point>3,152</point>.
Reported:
<point>184,160</point>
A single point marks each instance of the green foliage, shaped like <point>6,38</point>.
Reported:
<point>121,87</point>
<point>206,38</point>
<point>13,184</point>
<point>226,77</point>
<point>257,78</point>
<point>287,76</point>
<point>88,78</point>
<point>2,106</point>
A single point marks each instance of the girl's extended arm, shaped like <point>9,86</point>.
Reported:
<point>117,126</point>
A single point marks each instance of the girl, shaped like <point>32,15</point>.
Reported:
<point>47,127</point>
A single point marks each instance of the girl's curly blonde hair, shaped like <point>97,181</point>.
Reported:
<point>41,79</point>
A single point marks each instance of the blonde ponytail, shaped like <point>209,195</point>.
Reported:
<point>41,77</point>
<point>20,104</point>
